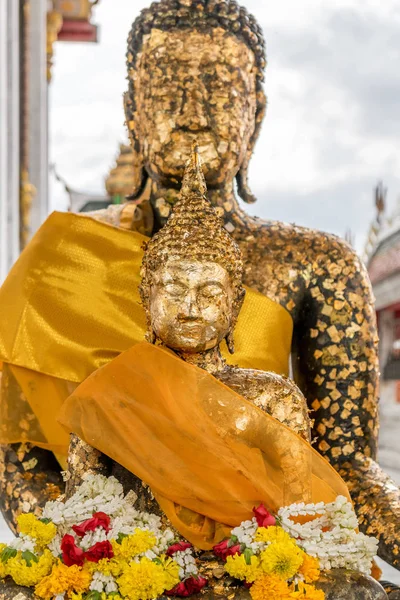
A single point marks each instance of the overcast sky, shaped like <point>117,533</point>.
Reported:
<point>332,127</point>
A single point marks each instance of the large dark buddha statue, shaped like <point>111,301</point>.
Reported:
<point>195,71</point>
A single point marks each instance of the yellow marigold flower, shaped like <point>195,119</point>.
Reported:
<point>282,558</point>
<point>142,580</point>
<point>26,575</point>
<point>3,570</point>
<point>43,533</point>
<point>270,587</point>
<point>64,579</point>
<point>105,596</point>
<point>132,545</point>
<point>237,567</point>
<point>307,592</point>
<point>272,534</point>
<point>112,566</point>
<point>171,571</point>
<point>310,568</point>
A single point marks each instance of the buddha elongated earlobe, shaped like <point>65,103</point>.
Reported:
<point>230,342</point>
<point>243,174</point>
<point>140,174</point>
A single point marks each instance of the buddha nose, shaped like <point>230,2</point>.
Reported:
<point>193,116</point>
<point>189,310</point>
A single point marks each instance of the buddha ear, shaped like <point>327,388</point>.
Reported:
<point>243,173</point>
<point>140,176</point>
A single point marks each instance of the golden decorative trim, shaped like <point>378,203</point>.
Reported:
<point>27,193</point>
<point>54,24</point>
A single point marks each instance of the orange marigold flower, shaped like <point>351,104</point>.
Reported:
<point>270,587</point>
<point>307,592</point>
<point>310,568</point>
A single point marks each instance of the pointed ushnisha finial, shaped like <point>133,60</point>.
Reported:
<point>193,179</point>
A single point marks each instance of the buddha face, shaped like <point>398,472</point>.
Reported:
<point>191,86</point>
<point>191,305</point>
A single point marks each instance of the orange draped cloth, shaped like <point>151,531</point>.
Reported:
<point>208,454</point>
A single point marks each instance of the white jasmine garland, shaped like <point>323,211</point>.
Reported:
<point>331,536</point>
<point>186,562</point>
<point>103,583</point>
<point>98,493</point>
<point>23,543</point>
<point>105,494</point>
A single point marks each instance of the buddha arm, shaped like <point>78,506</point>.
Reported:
<point>82,459</point>
<point>337,369</point>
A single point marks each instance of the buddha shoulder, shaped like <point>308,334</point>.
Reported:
<point>276,394</point>
<point>297,242</point>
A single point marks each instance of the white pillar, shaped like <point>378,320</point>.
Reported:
<point>9,133</point>
<point>38,113</point>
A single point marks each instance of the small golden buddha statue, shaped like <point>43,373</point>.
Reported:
<point>192,293</point>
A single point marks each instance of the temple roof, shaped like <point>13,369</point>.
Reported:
<point>384,260</point>
<point>382,252</point>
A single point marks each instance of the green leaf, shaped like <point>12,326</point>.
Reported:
<point>121,536</point>
<point>45,521</point>
<point>28,557</point>
<point>232,541</point>
<point>7,554</point>
<point>93,595</point>
<point>248,553</point>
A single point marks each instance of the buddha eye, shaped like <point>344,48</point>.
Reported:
<point>174,289</point>
<point>212,290</point>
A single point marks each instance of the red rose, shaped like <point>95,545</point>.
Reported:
<point>71,554</point>
<point>222,550</point>
<point>99,550</point>
<point>263,517</point>
<point>190,586</point>
<point>195,584</point>
<point>178,547</point>
<point>178,590</point>
<point>99,519</point>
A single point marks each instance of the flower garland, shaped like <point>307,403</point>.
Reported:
<point>281,557</point>
<point>97,546</point>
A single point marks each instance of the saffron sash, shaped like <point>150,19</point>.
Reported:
<point>208,454</point>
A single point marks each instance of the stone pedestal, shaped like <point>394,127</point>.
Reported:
<point>340,584</point>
